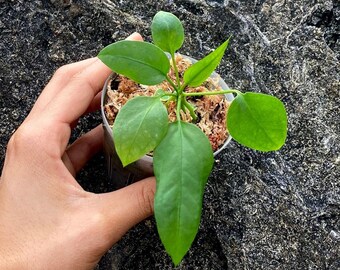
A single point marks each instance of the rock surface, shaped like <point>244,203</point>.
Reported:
<point>261,211</point>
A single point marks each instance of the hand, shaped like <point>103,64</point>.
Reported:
<point>47,221</point>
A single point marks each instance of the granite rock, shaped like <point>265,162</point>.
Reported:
<point>261,210</point>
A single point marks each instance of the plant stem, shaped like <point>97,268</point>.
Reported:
<point>176,69</point>
<point>190,108</point>
<point>213,93</point>
<point>181,89</point>
<point>184,109</point>
<point>178,109</point>
<point>172,83</point>
<point>169,95</point>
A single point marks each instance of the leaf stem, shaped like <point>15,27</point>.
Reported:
<point>181,89</point>
<point>176,69</point>
<point>190,108</point>
<point>178,109</point>
<point>213,93</point>
<point>172,83</point>
<point>169,95</point>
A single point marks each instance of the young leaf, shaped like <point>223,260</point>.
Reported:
<point>140,61</point>
<point>258,121</point>
<point>167,32</point>
<point>182,164</point>
<point>160,93</point>
<point>196,74</point>
<point>164,96</point>
<point>139,127</point>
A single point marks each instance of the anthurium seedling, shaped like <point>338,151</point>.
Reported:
<point>182,154</point>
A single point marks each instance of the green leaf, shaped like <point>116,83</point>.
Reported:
<point>258,121</point>
<point>167,32</point>
<point>164,96</point>
<point>160,92</point>
<point>140,61</point>
<point>196,74</point>
<point>139,127</point>
<point>182,164</point>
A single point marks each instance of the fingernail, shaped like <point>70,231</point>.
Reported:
<point>135,36</point>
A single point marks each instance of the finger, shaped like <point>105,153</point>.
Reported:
<point>83,149</point>
<point>135,36</point>
<point>58,81</point>
<point>81,90</point>
<point>74,100</point>
<point>126,207</point>
<point>63,75</point>
<point>78,94</point>
<point>95,104</point>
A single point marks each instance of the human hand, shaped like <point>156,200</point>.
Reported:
<point>47,221</point>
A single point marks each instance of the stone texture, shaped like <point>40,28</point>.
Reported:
<point>261,210</point>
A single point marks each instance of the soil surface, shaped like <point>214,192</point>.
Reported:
<point>261,210</point>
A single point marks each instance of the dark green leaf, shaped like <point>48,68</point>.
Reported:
<point>139,127</point>
<point>258,121</point>
<point>140,61</point>
<point>196,74</point>
<point>167,32</point>
<point>182,164</point>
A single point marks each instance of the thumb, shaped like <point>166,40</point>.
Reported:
<point>135,36</point>
<point>128,206</point>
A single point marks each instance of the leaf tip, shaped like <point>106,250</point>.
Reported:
<point>125,163</point>
<point>124,159</point>
<point>176,259</point>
